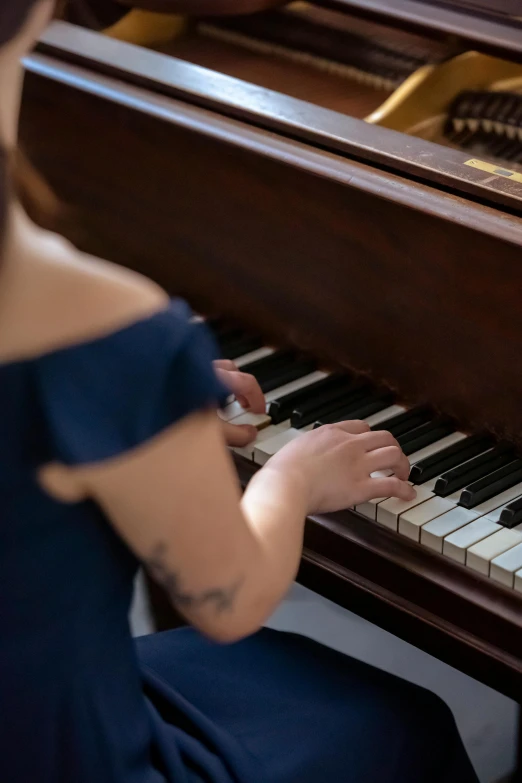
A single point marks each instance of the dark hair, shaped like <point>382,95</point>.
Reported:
<point>17,176</point>
<point>36,196</point>
<point>12,17</point>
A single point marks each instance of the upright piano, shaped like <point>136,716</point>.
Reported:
<point>338,187</point>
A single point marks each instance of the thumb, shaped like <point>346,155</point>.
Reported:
<point>239,434</point>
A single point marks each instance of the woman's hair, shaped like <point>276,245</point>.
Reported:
<point>31,189</point>
<point>18,178</point>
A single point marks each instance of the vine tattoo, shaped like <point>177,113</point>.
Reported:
<point>221,599</point>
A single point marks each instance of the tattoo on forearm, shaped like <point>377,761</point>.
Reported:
<point>221,599</point>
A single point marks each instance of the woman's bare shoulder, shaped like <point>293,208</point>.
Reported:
<point>62,297</point>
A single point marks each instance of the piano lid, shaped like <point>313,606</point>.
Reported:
<point>511,8</point>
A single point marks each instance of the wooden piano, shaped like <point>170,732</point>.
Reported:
<point>342,179</point>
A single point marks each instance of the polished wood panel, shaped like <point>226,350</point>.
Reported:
<point>342,94</point>
<point>414,286</point>
<point>510,8</point>
<point>293,118</point>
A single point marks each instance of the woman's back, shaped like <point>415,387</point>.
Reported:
<point>69,685</point>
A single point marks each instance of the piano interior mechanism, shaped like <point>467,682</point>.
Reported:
<point>438,90</point>
<point>338,187</point>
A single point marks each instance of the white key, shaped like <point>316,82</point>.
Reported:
<point>369,509</point>
<point>518,581</point>
<point>265,434</point>
<point>499,501</point>
<point>434,448</point>
<point>411,522</point>
<point>253,356</point>
<point>384,415</point>
<point>480,524</point>
<point>504,566</point>
<point>483,522</point>
<point>293,386</point>
<point>389,511</point>
<point>434,532</point>
<point>271,446</point>
<point>480,555</point>
<point>456,545</point>
<point>259,420</point>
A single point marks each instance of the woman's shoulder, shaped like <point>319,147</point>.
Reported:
<point>65,297</point>
<point>103,297</point>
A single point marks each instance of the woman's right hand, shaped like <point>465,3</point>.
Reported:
<point>333,465</point>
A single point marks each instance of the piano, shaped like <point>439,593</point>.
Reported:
<point>349,218</point>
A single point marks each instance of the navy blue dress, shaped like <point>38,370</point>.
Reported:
<point>80,702</point>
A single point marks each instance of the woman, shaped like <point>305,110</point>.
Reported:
<point>111,454</point>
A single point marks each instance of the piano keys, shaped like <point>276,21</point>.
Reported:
<point>470,524</point>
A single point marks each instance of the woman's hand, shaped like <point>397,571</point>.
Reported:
<point>248,393</point>
<point>334,464</point>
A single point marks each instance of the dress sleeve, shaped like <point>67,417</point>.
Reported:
<point>105,397</point>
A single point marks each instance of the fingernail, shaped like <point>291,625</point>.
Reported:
<point>252,432</point>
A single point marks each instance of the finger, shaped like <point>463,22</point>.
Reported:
<point>389,457</point>
<point>225,364</point>
<point>354,427</point>
<point>245,388</point>
<point>391,487</point>
<point>239,434</point>
<point>378,440</point>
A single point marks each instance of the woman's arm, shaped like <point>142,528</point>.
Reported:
<point>226,562</point>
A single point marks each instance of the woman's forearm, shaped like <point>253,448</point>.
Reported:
<point>274,504</point>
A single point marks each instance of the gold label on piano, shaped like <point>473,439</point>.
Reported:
<point>500,171</point>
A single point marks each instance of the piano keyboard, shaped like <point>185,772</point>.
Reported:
<point>469,487</point>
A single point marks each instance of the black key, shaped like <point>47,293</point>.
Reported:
<point>331,388</point>
<point>474,469</point>
<point>279,368</point>
<point>309,412</point>
<point>449,458</point>
<point>359,409</point>
<point>492,484</point>
<point>262,368</point>
<point>288,374</point>
<point>233,349</point>
<point>512,514</point>
<point>426,434</point>
<point>404,422</point>
<point>219,326</point>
